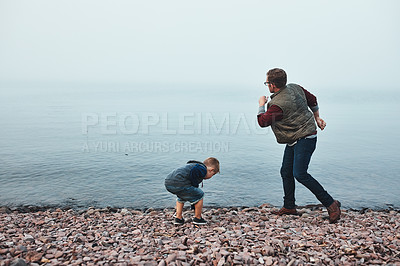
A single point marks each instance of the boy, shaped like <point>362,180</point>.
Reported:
<point>184,183</point>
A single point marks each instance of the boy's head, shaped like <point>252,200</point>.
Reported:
<point>212,167</point>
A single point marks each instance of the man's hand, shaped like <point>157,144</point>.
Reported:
<point>263,100</point>
<point>320,122</point>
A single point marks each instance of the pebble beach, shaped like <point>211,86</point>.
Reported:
<point>233,236</point>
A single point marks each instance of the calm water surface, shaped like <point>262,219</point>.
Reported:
<point>114,148</point>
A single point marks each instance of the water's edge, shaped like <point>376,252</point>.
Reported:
<point>81,209</point>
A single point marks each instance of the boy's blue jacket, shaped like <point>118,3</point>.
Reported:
<point>192,174</point>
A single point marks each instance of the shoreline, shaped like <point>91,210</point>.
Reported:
<point>35,208</point>
<point>233,236</point>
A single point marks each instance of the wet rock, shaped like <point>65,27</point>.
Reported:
<point>5,210</point>
<point>125,212</point>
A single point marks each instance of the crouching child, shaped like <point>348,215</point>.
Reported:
<point>184,183</point>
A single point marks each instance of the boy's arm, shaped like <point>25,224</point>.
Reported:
<point>197,174</point>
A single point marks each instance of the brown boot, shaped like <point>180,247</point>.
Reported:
<point>283,211</point>
<point>334,212</point>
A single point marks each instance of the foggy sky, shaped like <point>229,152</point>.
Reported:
<point>330,44</point>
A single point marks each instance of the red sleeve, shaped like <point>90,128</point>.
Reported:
<point>311,99</point>
<point>273,113</point>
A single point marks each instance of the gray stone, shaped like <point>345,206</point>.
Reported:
<point>22,248</point>
<point>18,262</point>
<point>5,209</point>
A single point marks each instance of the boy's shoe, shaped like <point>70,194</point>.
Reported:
<point>198,221</point>
<point>178,221</point>
<point>283,211</point>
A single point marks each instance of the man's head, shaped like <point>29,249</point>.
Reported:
<point>212,167</point>
<point>276,78</point>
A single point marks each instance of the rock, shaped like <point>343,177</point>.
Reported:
<point>235,220</point>
<point>136,259</point>
<point>221,262</point>
<point>233,236</point>
<point>136,232</point>
<point>171,258</point>
<point>44,239</point>
<point>28,238</point>
<point>224,252</point>
<point>5,209</point>
<point>22,248</point>
<point>125,212</point>
<point>90,211</point>
<point>49,256</point>
<point>18,262</point>
<point>135,212</point>
<point>249,209</point>
<point>269,261</point>
<point>58,254</point>
<point>265,205</point>
<point>182,247</point>
<point>33,256</point>
<point>268,250</point>
<point>220,230</point>
<point>3,251</point>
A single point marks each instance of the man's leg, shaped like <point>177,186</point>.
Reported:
<point>287,178</point>
<point>303,151</point>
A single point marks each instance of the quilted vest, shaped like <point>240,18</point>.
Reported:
<point>298,121</point>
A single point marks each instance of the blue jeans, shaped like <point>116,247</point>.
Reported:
<point>295,165</point>
<point>191,194</point>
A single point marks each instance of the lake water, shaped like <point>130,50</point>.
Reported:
<point>106,147</point>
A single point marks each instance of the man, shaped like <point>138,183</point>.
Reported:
<point>293,124</point>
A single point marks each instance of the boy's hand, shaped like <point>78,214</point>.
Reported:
<point>263,100</point>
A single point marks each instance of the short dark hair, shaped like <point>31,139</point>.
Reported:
<point>277,76</point>
<point>212,162</point>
